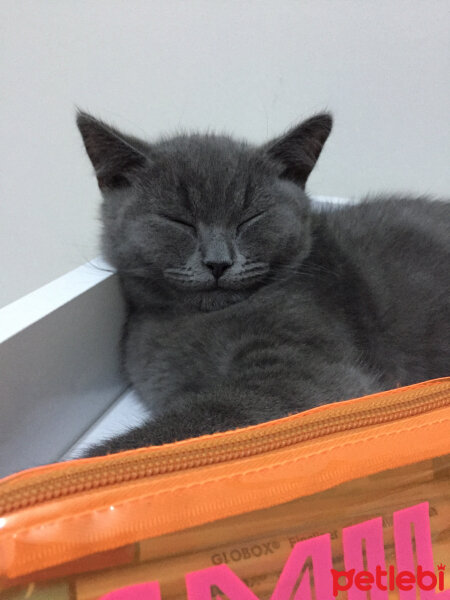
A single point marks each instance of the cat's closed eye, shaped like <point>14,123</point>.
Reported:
<point>181,222</point>
<point>242,226</point>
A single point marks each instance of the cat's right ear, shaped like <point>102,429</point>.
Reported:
<point>115,157</point>
<point>298,150</point>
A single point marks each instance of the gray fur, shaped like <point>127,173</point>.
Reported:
<point>245,304</point>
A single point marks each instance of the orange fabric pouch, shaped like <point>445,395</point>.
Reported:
<point>349,499</point>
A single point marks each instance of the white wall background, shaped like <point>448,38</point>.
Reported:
<point>249,67</point>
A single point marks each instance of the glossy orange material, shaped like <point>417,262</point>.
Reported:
<point>57,513</point>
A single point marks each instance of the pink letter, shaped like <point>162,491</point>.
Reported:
<point>198,584</point>
<point>295,577</point>
<point>352,537</point>
<point>416,517</point>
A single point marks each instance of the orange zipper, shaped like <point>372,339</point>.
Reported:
<point>58,513</point>
<point>47,484</point>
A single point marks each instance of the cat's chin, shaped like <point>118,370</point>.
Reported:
<point>217,299</point>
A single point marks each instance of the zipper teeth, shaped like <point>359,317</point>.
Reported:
<point>66,485</point>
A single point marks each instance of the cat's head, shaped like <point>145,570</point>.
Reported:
<point>203,220</point>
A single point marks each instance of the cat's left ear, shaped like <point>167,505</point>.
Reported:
<point>116,157</point>
<point>299,149</point>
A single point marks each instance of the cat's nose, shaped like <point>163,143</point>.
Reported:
<point>218,268</point>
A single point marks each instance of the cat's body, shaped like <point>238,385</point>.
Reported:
<point>355,303</point>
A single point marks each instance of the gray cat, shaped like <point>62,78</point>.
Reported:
<point>244,303</point>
